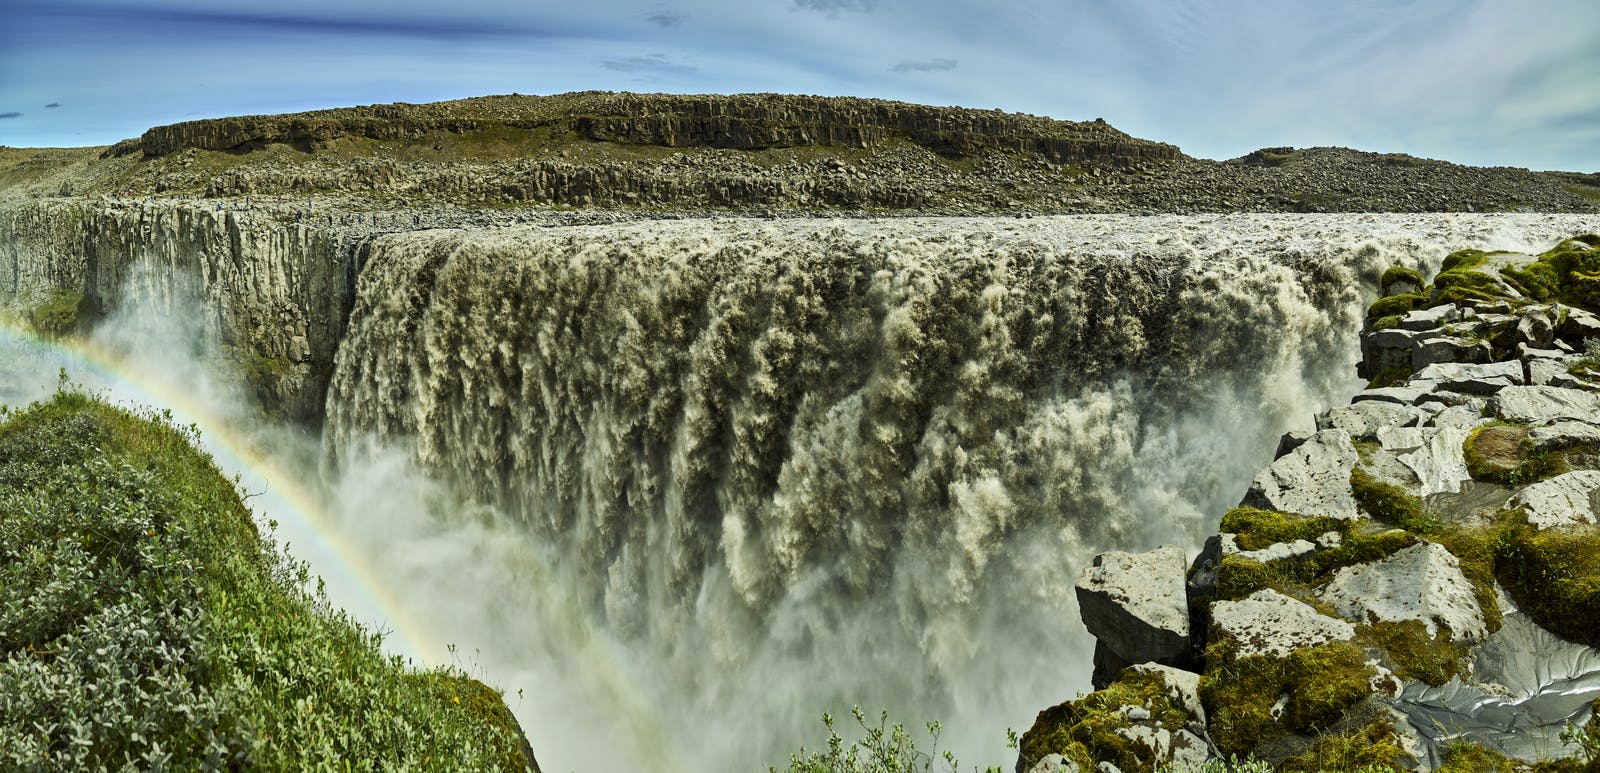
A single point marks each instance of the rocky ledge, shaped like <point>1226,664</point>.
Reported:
<point>1415,585</point>
<point>757,153</point>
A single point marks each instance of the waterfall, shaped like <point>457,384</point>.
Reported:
<point>783,467</point>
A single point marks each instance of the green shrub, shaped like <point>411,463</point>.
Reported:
<point>144,623</point>
<point>883,748</point>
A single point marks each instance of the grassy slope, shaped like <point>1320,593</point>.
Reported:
<point>143,621</point>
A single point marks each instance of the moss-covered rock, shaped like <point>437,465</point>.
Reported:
<point>1400,280</point>
<point>1502,453</point>
<point>1569,272</point>
<point>1094,728</point>
<point>1316,684</point>
<point>1554,576</point>
<point>1387,502</point>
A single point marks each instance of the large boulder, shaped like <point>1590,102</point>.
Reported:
<point>1269,623</point>
<point>1136,604</point>
<point>1422,582</point>
<point>1564,500</point>
<point>1313,479</point>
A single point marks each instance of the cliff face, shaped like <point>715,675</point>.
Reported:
<point>273,298</point>
<point>743,121</point>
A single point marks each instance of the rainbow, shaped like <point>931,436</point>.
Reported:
<point>289,503</point>
<point>283,499</point>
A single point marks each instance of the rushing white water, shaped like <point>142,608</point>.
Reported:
<point>758,470</point>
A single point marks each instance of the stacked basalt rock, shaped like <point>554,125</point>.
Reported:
<point>1416,579</point>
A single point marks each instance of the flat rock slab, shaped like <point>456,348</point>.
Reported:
<point>1545,404</point>
<point>1313,479</point>
<point>1362,420</point>
<point>1428,319</point>
<point>1135,604</point>
<point>1398,395</point>
<point>1473,378</point>
<point>1564,500</point>
<point>1400,438</point>
<point>1422,582</point>
<point>1269,623</point>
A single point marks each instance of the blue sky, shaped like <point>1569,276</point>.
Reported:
<point>1511,82</point>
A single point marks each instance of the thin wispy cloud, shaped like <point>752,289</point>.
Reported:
<point>666,19</point>
<point>835,6</point>
<point>10,115</point>
<point>191,20</point>
<point>649,63</point>
<point>52,105</point>
<point>925,65</point>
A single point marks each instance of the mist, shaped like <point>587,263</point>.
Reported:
<point>642,633</point>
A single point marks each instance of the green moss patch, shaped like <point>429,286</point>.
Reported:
<point>1395,305</point>
<point>1239,576</point>
<point>1474,548</point>
<point>1319,684</point>
<point>1554,576</point>
<point>1569,272</point>
<point>1254,528</point>
<point>1394,275</point>
<point>1373,748</point>
<point>1389,377</point>
<point>145,623</point>
<point>1502,453</point>
<point>1387,502</point>
<point>1414,654</point>
<point>1085,730</point>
